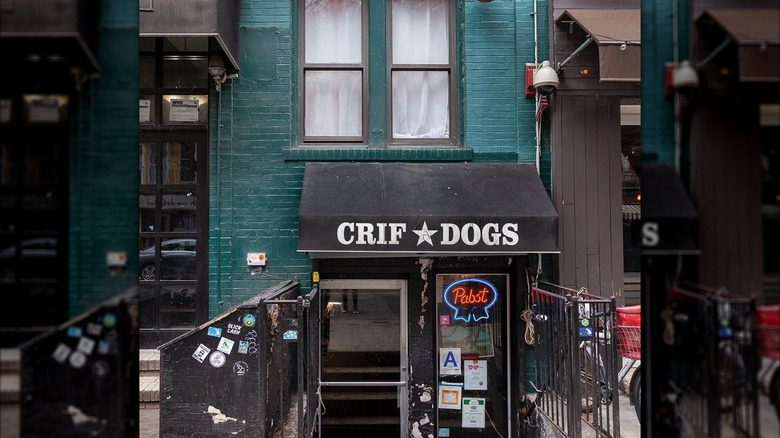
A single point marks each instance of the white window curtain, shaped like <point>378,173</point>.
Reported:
<point>420,99</point>
<point>334,99</point>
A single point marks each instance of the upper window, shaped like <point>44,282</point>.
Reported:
<point>377,74</point>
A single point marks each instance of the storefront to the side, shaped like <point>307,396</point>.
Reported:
<point>423,269</point>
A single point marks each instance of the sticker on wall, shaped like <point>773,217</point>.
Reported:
<point>233,329</point>
<point>61,353</point>
<point>473,414</point>
<point>100,368</point>
<point>449,362</point>
<point>449,396</point>
<point>243,347</point>
<point>470,298</point>
<point>226,345</point>
<point>240,367</point>
<point>290,335</point>
<point>201,352</point>
<point>217,359</point>
<point>215,332</point>
<point>475,374</point>
<point>109,320</point>
<point>86,345</point>
<point>94,329</point>
<point>444,432</point>
<point>103,347</point>
<point>74,331</point>
<point>248,320</point>
<point>77,359</point>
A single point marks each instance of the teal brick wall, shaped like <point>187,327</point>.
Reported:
<point>103,165</point>
<point>256,177</point>
<point>658,50</point>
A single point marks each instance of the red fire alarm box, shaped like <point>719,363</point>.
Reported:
<point>530,91</point>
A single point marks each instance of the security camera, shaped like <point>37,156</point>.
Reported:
<point>545,79</point>
<point>684,77</point>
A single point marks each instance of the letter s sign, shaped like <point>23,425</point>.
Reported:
<point>650,235</point>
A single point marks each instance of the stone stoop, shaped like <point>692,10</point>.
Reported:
<point>9,376</point>
<point>149,378</point>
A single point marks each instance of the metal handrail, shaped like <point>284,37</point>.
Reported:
<point>362,383</point>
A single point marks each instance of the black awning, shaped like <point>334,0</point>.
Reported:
<point>668,216</point>
<point>397,209</point>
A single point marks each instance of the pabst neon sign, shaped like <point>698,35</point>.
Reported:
<point>470,298</point>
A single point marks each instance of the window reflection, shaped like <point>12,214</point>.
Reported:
<point>180,163</point>
<point>177,306</point>
<point>177,260</point>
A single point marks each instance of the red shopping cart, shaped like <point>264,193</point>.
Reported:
<point>629,345</point>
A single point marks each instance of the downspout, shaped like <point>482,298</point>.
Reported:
<point>538,123</point>
<point>676,59</point>
<point>218,227</point>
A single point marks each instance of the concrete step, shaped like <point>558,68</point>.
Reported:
<point>148,379</point>
<point>9,375</point>
<point>149,376</point>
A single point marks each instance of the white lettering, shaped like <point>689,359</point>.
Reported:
<point>380,228</point>
<point>470,234</point>
<point>490,234</point>
<point>510,234</point>
<point>650,235</point>
<point>365,233</point>
<point>396,232</point>
<point>450,234</point>
<point>340,233</point>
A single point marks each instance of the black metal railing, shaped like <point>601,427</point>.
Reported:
<point>292,346</point>
<point>255,366</point>
<point>576,360</point>
<point>715,361</point>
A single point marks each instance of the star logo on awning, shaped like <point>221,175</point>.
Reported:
<point>424,234</point>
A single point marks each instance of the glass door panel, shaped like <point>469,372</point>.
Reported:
<point>364,358</point>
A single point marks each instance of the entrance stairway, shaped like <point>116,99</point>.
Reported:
<point>148,379</point>
<point>355,408</point>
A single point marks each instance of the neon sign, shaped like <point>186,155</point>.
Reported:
<point>470,298</point>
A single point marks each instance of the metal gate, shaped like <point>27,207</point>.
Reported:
<point>576,360</point>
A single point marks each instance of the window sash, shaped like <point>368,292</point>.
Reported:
<point>334,75</point>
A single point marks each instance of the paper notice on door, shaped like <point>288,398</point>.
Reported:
<point>473,413</point>
<point>449,396</point>
<point>184,110</point>
<point>449,362</point>
<point>475,374</point>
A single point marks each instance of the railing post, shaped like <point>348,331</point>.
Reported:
<point>575,400</point>
<point>616,363</point>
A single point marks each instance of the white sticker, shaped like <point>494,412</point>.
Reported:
<point>225,345</point>
<point>240,367</point>
<point>217,359</point>
<point>94,329</point>
<point>61,353</point>
<point>201,352</point>
<point>77,359</point>
<point>86,345</point>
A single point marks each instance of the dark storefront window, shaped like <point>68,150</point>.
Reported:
<point>173,113</point>
<point>33,213</point>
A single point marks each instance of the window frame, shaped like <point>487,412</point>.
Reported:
<point>377,70</point>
